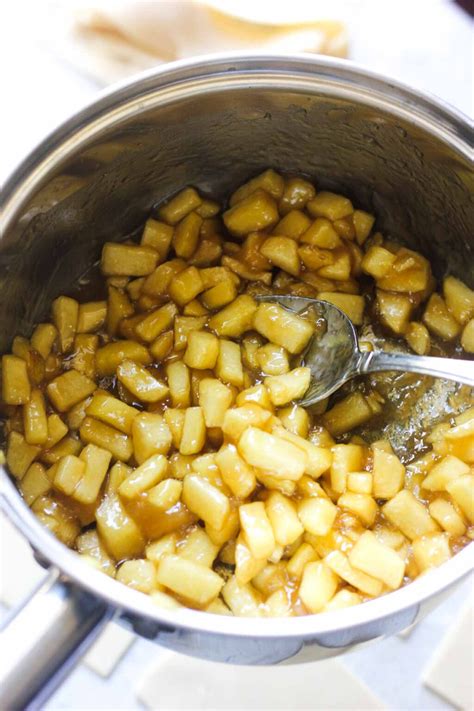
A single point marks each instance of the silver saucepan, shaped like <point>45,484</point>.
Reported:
<point>213,123</point>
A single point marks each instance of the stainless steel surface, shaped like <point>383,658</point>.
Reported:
<point>213,123</point>
<point>334,358</point>
<point>462,371</point>
<point>45,639</point>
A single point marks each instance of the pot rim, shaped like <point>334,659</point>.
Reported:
<point>170,83</point>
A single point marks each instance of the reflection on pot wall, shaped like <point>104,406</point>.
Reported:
<point>416,185</point>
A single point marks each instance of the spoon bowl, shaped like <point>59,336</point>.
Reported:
<point>334,357</point>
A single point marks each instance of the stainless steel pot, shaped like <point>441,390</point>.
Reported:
<point>212,123</point>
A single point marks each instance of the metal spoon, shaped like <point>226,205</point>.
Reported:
<point>334,357</point>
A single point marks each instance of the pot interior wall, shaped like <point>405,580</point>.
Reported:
<point>419,188</point>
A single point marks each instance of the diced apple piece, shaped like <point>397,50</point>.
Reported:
<point>229,363</point>
<point>317,515</point>
<point>351,304</point>
<point>186,235</point>
<point>377,261</point>
<point>448,518</point>
<point>35,421</point>
<point>236,473</point>
<point>257,529</point>
<point>321,234</point>
<point>140,382</point>
<point>138,574</point>
<point>35,483</point>
<point>158,282</point>
<point>165,545</point>
<point>186,286</point>
<point>117,443</point>
<point>377,560</point>
<point>350,412</point>
<point>68,473</point>
<point>254,212</point>
<point>318,586</point>
<point>162,347</point>
<point>295,419</point>
<point>409,515</point>
<point>127,260</point>
<point>238,419</point>
<point>165,495</point>
<point>410,272</point>
<point>43,339</point>
<point>467,337</point>
<point>342,599</point>
<point>236,318</point>
<point>257,395</point>
<point>388,474</point>
<point>444,472</point>
<point>144,477</point>
<point>394,310</point>
<point>220,295</point>
<point>215,398</point>
<point>16,388</point>
<point>156,322</point>
<point>345,458</point>
<point>304,554</point>
<point>360,482</point>
<point>247,567</point>
<point>112,411</point>
<point>68,389</point>
<point>180,205</point>
<point>205,500</point>
<point>339,564</point>
<point>273,454</point>
<point>363,223</point>
<point>91,316</point>
<point>272,359</point>
<point>179,382</point>
<point>418,338</point>
<point>157,235</point>
<point>97,462</point>
<point>462,492</point>
<point>439,320</point>
<point>289,386</point>
<point>431,551</point>
<point>151,435</point>
<point>459,299</point>
<point>297,192</point>
<point>65,313</point>
<point>109,357</point>
<point>293,224</point>
<point>67,445</point>
<point>189,579</point>
<point>117,474</point>
<point>282,514</point>
<point>243,600</point>
<point>202,350</point>
<point>318,459</point>
<point>194,431</point>
<point>340,268</point>
<point>330,205</point>
<point>282,252</point>
<point>198,547</point>
<point>269,180</point>
<point>361,505</point>
<point>282,327</point>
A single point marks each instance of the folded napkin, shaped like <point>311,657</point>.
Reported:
<point>112,40</point>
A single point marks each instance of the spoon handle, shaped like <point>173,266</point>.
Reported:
<point>450,368</point>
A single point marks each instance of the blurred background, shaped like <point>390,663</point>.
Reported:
<point>58,56</point>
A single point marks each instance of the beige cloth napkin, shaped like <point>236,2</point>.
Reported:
<point>112,40</point>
